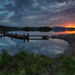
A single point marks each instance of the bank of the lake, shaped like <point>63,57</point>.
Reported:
<point>70,38</point>
<point>23,63</point>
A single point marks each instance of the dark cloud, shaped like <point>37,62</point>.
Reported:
<point>33,11</point>
<point>38,5</point>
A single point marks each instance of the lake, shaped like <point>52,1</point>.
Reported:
<point>50,48</point>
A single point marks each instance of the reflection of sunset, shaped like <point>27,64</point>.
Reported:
<point>69,26</point>
<point>66,28</point>
<point>69,32</point>
<point>65,32</point>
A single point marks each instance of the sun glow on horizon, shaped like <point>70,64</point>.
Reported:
<point>70,26</point>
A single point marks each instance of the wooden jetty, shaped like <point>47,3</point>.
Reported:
<point>25,36</point>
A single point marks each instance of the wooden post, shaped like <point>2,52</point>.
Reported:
<point>28,37</point>
<point>44,37</point>
<point>24,36</point>
<point>11,35</point>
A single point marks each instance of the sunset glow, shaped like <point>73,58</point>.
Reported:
<point>70,26</point>
<point>69,32</point>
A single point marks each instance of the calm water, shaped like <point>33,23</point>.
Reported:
<point>50,48</point>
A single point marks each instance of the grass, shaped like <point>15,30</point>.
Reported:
<point>23,63</point>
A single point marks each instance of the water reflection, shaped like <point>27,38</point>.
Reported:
<point>50,48</point>
<point>69,32</point>
<point>63,30</point>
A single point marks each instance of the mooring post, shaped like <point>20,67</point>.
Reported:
<point>11,35</point>
<point>28,37</point>
<point>24,37</point>
<point>44,37</point>
<point>2,35</point>
<point>16,33</point>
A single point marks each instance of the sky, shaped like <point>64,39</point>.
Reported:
<point>37,12</point>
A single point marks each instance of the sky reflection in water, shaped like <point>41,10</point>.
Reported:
<point>50,48</point>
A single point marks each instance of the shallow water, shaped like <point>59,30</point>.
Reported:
<point>50,48</point>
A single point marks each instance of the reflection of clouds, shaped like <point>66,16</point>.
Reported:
<point>56,50</point>
<point>50,51</point>
<point>3,44</point>
<point>49,48</point>
<point>6,42</point>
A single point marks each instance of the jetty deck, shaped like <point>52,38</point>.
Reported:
<point>25,36</point>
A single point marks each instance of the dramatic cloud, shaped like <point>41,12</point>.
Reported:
<point>37,12</point>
